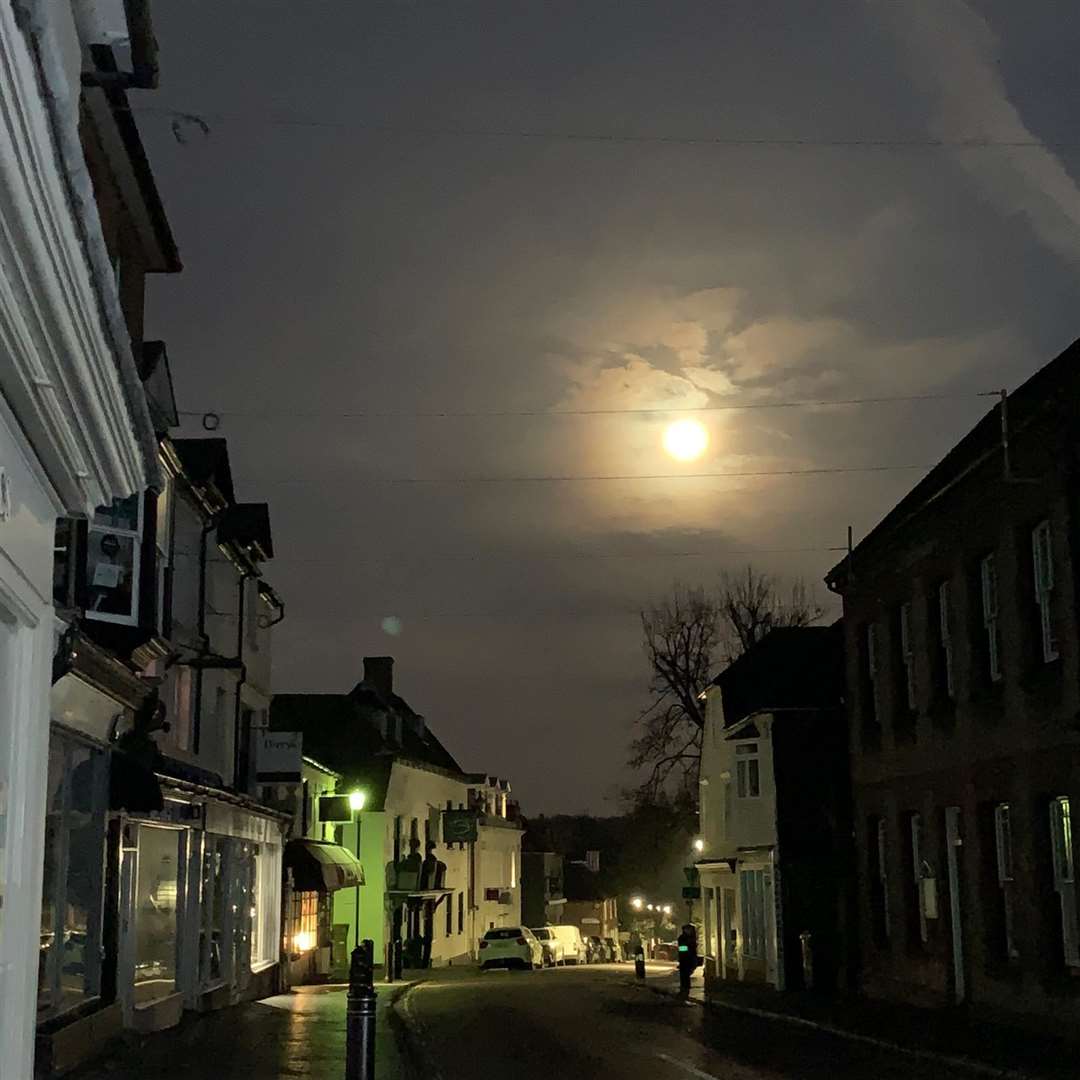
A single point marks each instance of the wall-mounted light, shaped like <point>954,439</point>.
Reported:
<point>357,800</point>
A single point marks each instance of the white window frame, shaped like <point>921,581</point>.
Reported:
<point>747,779</point>
<point>1003,845</point>
<point>917,871</point>
<point>136,535</point>
<point>945,623</point>
<point>1061,844</point>
<point>1042,558</point>
<point>907,653</point>
<point>989,580</point>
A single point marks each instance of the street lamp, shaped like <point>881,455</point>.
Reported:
<point>699,845</point>
<point>650,906</point>
<point>667,909</point>
<point>637,903</point>
<point>357,800</point>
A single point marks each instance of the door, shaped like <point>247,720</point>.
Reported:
<point>953,844</point>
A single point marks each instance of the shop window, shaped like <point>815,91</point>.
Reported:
<point>112,570</point>
<point>303,930</point>
<point>157,891</point>
<point>266,906</point>
<point>211,935</point>
<point>69,968</point>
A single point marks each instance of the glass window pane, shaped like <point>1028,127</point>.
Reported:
<point>110,574</point>
<point>156,895</point>
<point>120,514</point>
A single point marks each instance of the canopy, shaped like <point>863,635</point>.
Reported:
<point>319,866</point>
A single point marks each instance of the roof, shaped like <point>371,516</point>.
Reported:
<point>153,367</point>
<point>793,667</point>
<point>247,525</point>
<point>1051,389</point>
<point>206,464</point>
<point>345,731</point>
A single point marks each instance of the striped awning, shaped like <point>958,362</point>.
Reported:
<point>319,866</point>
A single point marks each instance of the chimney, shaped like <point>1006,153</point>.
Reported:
<point>379,673</point>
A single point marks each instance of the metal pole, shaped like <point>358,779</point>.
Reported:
<point>360,1015</point>
<point>356,931</point>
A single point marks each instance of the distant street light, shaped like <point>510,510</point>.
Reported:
<point>667,909</point>
<point>650,906</point>
<point>637,903</point>
<point>699,845</point>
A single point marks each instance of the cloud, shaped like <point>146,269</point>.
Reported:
<point>952,54</point>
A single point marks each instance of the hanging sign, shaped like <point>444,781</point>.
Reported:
<point>279,757</point>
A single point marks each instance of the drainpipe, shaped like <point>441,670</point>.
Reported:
<point>204,638</point>
<point>241,677</point>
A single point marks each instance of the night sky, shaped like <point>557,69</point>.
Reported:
<point>400,212</point>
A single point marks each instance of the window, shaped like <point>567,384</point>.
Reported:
<point>113,549</point>
<point>752,890</point>
<point>747,771</point>
<point>461,913</point>
<point>397,838</point>
<point>513,869</point>
<point>988,577</point>
<point>449,915</point>
<point>945,640</point>
<point>1065,877</point>
<point>163,550</point>
<point>303,930</point>
<point>265,906</point>
<point>157,892</point>
<point>1042,551</point>
<point>919,905</point>
<point>69,966</point>
<point>869,660</point>
<point>1003,841</point>
<point>180,722</point>
<point>879,879</point>
<point>907,657</point>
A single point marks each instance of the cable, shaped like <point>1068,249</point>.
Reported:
<point>613,138</point>
<point>486,414</point>
<point>555,556</point>
<point>824,471</point>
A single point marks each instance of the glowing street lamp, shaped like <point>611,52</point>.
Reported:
<point>650,907</point>
<point>357,801</point>
<point>667,909</point>
<point>637,903</point>
<point>699,845</point>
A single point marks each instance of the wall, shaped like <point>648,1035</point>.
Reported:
<point>498,859</point>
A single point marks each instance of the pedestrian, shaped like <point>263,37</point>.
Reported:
<point>688,959</point>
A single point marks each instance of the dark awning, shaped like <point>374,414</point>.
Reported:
<point>319,866</point>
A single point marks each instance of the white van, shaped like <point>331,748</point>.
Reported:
<point>573,946</point>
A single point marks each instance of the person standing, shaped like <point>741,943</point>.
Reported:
<point>688,959</point>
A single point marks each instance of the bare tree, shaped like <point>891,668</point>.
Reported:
<point>686,636</point>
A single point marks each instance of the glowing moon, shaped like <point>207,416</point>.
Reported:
<point>686,440</point>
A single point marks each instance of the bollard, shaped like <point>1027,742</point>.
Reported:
<point>389,959</point>
<point>639,965</point>
<point>360,1015</point>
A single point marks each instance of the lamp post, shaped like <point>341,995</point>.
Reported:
<point>357,799</point>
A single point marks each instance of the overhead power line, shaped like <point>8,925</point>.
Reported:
<point>604,137</point>
<point>823,471</point>
<point>471,414</point>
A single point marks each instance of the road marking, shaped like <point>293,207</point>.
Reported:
<point>683,1065</point>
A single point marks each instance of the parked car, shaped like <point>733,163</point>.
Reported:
<point>573,945</point>
<point>614,950</point>
<point>511,947</point>
<point>554,949</point>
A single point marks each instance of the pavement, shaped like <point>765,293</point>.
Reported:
<point>589,1023</point>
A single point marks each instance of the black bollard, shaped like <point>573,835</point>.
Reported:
<point>360,1015</point>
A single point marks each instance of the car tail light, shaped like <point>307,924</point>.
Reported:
<point>521,941</point>
<point>483,944</point>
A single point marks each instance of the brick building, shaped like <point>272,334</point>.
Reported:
<point>963,683</point>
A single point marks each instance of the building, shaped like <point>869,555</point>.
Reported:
<point>542,897</point>
<point>963,678</point>
<point>316,867</point>
<point>75,432</point>
<point>775,813</point>
<point>439,850</point>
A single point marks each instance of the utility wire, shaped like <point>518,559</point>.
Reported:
<point>608,137</point>
<point>823,471</point>
<point>476,414</point>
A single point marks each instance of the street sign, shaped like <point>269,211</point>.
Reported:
<point>459,826</point>
<point>278,757</point>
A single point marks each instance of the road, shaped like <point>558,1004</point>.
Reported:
<point>594,1023</point>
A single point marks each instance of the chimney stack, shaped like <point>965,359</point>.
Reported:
<point>379,674</point>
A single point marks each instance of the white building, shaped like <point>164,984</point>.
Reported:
<point>775,812</point>
<point>74,434</point>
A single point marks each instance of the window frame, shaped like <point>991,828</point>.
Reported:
<point>1004,858</point>
<point>1042,558</point>
<point>1063,857</point>
<point>907,656</point>
<point>991,614</point>
<point>748,754</point>
<point>945,637</point>
<point>915,824</point>
<point>136,537</point>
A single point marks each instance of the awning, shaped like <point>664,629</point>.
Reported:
<point>319,866</point>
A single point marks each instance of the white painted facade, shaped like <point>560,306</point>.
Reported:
<point>739,867</point>
<point>74,434</point>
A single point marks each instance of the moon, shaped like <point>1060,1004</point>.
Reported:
<point>686,440</point>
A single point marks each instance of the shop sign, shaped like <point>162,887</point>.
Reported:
<point>279,757</point>
<point>459,826</point>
